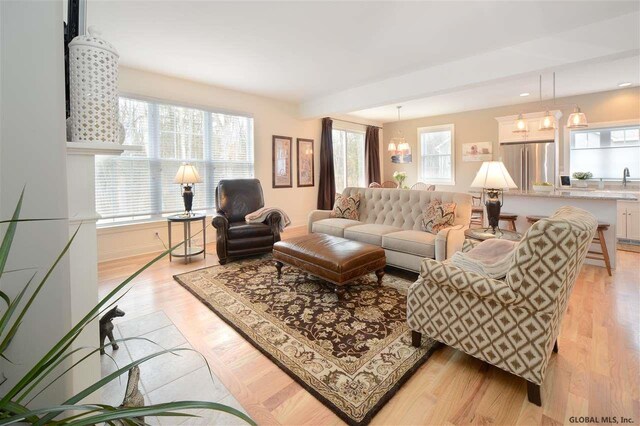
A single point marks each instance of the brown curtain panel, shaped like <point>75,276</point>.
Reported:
<point>372,155</point>
<point>327,185</point>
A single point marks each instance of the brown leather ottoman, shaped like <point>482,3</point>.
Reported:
<point>333,259</point>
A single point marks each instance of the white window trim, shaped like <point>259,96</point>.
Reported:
<point>162,217</point>
<point>348,129</point>
<point>440,127</point>
<point>566,140</point>
<point>164,101</point>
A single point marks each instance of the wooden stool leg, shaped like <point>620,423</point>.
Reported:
<point>513,225</point>
<point>605,252</point>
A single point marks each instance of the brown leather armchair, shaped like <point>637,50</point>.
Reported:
<point>235,198</point>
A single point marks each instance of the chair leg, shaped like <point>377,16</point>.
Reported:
<point>605,252</point>
<point>416,339</point>
<point>533,393</point>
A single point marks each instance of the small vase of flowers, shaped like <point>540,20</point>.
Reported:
<point>582,177</point>
<point>400,177</point>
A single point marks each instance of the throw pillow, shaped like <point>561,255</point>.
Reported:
<point>346,207</point>
<point>438,216</point>
<point>491,258</point>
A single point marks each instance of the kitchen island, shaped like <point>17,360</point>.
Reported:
<point>602,204</point>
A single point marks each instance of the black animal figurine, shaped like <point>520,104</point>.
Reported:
<point>106,327</point>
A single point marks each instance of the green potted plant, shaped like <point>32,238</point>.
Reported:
<point>542,187</point>
<point>14,404</point>
<point>582,177</point>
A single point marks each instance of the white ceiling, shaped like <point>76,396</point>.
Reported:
<point>570,81</point>
<point>316,53</point>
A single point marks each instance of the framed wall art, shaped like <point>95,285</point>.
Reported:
<point>282,162</point>
<point>478,151</point>
<point>305,162</point>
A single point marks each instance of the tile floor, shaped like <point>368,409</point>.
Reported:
<point>167,377</point>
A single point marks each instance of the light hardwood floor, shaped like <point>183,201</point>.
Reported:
<point>596,373</point>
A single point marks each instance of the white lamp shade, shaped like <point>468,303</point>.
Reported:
<point>404,147</point>
<point>493,175</point>
<point>187,174</point>
<point>392,147</point>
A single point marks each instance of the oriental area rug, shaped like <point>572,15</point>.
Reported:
<point>351,353</point>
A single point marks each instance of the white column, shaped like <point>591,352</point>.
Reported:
<point>83,254</point>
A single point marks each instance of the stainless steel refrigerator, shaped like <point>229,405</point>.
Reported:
<point>530,161</point>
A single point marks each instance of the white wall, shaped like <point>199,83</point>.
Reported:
<point>271,117</point>
<point>32,153</point>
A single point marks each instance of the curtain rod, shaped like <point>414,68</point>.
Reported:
<point>353,122</point>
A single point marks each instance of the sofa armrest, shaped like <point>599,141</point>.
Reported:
<point>316,215</point>
<point>447,274</point>
<point>221,223</point>
<point>449,241</point>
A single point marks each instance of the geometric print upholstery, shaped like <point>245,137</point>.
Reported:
<point>514,323</point>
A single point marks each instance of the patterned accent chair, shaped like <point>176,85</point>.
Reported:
<point>512,324</point>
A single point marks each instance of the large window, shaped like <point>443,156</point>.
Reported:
<point>605,152</point>
<point>436,155</point>
<point>348,158</point>
<point>139,183</point>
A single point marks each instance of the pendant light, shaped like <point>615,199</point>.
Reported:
<point>521,125</point>
<point>548,122</point>
<point>398,143</point>
<point>577,119</point>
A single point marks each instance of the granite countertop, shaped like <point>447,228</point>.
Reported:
<point>576,193</point>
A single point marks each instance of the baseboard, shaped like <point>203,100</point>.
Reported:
<point>107,256</point>
<point>125,243</point>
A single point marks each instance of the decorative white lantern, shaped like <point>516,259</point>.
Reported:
<point>93,69</point>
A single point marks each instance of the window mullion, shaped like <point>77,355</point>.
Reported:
<point>209,180</point>
<point>344,159</point>
<point>155,171</point>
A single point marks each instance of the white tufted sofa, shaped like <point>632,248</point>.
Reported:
<point>392,219</point>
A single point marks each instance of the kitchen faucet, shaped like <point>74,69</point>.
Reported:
<point>625,175</point>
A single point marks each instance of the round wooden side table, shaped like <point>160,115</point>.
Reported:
<point>481,234</point>
<point>188,249</point>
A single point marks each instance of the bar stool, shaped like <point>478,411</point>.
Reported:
<point>598,239</point>
<point>477,211</point>
<point>511,219</point>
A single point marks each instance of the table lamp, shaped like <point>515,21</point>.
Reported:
<point>187,175</point>
<point>493,178</point>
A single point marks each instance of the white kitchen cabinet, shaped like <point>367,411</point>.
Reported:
<point>633,221</point>
<point>628,226</point>
<point>621,223</point>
